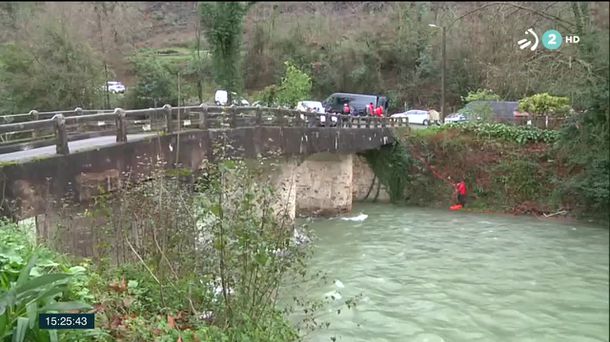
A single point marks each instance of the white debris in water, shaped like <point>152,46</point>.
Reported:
<point>339,284</point>
<point>334,295</point>
<point>300,238</point>
<point>358,218</point>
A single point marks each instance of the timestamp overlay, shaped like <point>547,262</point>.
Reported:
<point>66,321</point>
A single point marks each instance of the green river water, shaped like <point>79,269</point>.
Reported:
<point>435,275</point>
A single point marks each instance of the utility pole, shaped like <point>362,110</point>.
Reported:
<point>101,33</point>
<point>443,69</point>
<point>443,113</point>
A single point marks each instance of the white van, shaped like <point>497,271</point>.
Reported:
<point>221,98</point>
<point>224,98</point>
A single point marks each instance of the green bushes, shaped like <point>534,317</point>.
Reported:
<point>156,85</point>
<point>515,181</point>
<point>481,95</point>
<point>390,165</point>
<point>584,147</point>
<point>520,135</point>
<point>295,86</point>
<point>545,104</point>
<point>56,71</point>
<point>34,280</point>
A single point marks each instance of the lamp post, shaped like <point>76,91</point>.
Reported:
<point>442,70</point>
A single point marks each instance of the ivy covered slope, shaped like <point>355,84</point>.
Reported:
<point>507,168</point>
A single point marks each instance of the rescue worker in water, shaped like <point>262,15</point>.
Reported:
<point>460,189</point>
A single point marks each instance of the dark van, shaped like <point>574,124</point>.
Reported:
<point>357,102</point>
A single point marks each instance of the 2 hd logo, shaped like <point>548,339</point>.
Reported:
<point>551,40</point>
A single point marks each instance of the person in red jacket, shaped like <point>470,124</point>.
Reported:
<point>379,111</point>
<point>346,109</point>
<point>371,110</point>
<point>460,188</point>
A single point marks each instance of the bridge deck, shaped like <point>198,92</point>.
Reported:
<point>75,146</point>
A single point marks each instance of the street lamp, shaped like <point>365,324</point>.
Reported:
<point>442,71</point>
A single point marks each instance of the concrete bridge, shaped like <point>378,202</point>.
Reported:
<point>49,159</point>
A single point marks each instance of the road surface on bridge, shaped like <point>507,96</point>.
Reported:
<point>75,146</point>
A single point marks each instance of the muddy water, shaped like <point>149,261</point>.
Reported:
<point>435,275</point>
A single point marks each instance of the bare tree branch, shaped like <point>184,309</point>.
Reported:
<point>564,23</point>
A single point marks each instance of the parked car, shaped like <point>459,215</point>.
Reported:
<point>225,98</point>
<point>498,111</point>
<point>241,102</point>
<point>305,106</point>
<point>357,102</point>
<point>455,117</point>
<point>415,116</point>
<point>115,87</point>
<point>317,107</point>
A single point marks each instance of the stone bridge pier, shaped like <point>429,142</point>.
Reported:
<point>316,185</point>
<point>324,184</point>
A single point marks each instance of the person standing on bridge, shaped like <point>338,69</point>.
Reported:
<point>346,109</point>
<point>379,111</point>
<point>370,109</point>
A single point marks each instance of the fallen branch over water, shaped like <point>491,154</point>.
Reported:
<point>561,212</point>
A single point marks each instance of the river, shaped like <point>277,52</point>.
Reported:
<point>435,275</point>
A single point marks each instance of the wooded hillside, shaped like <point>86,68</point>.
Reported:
<point>372,47</point>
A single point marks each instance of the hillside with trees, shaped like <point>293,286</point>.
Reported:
<point>371,47</point>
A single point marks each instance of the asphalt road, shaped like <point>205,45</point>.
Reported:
<point>75,146</point>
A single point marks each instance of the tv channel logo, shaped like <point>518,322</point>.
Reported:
<point>524,43</point>
<point>551,40</point>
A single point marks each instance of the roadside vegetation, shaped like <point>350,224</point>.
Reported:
<point>181,258</point>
